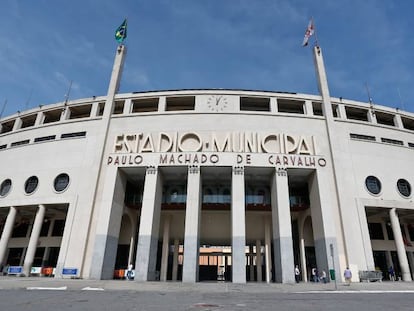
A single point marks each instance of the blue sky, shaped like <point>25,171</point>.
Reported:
<point>180,44</point>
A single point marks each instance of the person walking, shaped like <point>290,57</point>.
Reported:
<point>348,276</point>
<point>391,273</point>
<point>323,276</point>
<point>297,274</point>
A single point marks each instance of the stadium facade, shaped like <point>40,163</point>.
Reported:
<point>193,185</point>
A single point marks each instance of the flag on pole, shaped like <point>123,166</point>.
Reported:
<point>121,32</point>
<point>308,33</point>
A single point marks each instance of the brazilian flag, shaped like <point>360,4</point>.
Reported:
<point>121,32</point>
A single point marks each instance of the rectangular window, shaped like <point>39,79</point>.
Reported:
<point>384,118</point>
<point>3,146</point>
<point>359,114</point>
<point>45,228</point>
<point>408,123</point>
<point>52,116</point>
<point>375,231</point>
<point>58,227</point>
<point>411,145</point>
<point>290,106</point>
<point>73,135</point>
<point>392,141</point>
<point>411,232</point>
<point>180,103</point>
<point>28,121</point>
<point>19,143</point>
<point>44,138</point>
<point>362,137</point>
<point>78,112</point>
<point>119,107</point>
<point>145,105</point>
<point>7,126</point>
<point>317,109</point>
<point>20,230</point>
<point>255,104</point>
<point>390,234</point>
<point>101,109</point>
<point>335,110</point>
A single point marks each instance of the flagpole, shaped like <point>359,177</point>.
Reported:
<point>314,30</point>
<point>2,109</point>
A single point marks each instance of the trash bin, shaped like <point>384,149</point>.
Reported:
<point>332,274</point>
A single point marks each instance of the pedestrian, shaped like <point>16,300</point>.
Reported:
<point>297,274</point>
<point>314,275</point>
<point>129,272</point>
<point>391,273</point>
<point>348,276</point>
<point>323,276</point>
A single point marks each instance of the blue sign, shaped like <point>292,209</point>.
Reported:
<point>70,271</point>
<point>15,270</point>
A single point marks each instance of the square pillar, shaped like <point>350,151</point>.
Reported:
<point>165,248</point>
<point>192,226</point>
<point>366,239</point>
<point>108,225</point>
<point>238,226</point>
<point>282,228</point>
<point>146,259</point>
<point>323,222</point>
<point>259,260</point>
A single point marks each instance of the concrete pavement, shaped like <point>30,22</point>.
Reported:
<point>13,282</point>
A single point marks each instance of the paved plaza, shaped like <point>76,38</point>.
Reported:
<point>40,294</point>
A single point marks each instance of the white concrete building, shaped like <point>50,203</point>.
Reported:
<point>193,185</point>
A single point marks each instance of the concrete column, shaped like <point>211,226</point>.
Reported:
<point>162,103</point>
<point>175,260</point>
<point>94,110</point>
<point>251,263</point>
<point>324,225</point>
<point>282,228</point>
<point>65,114</point>
<point>34,238</point>
<point>40,117</point>
<point>399,243</point>
<point>398,121</point>
<point>127,106</point>
<point>259,260</point>
<point>372,117</point>
<point>268,249</point>
<point>302,251</point>
<point>17,124</point>
<point>273,105</point>
<point>308,108</point>
<point>411,262</point>
<point>146,259</point>
<point>45,256</point>
<point>388,259</point>
<point>7,231</point>
<point>303,259</point>
<point>341,111</point>
<point>366,239</point>
<point>238,225</point>
<point>192,226</point>
<point>165,248</point>
<point>108,225</point>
